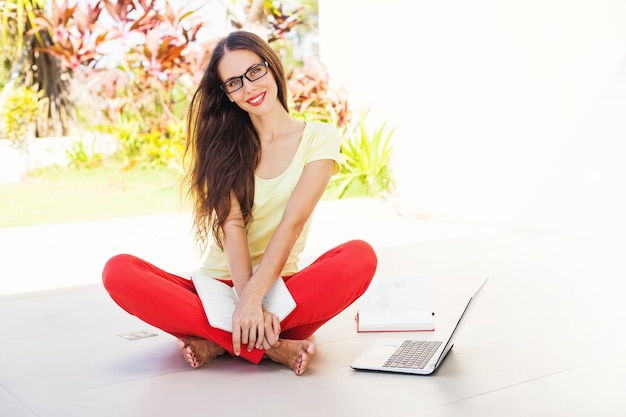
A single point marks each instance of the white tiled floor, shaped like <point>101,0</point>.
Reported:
<point>535,344</point>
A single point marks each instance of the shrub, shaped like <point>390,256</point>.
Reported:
<point>20,114</point>
<point>144,94</point>
<point>365,166</point>
<point>81,155</point>
<point>311,99</point>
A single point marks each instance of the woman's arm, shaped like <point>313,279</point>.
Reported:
<point>307,193</point>
<point>248,316</point>
<point>235,242</point>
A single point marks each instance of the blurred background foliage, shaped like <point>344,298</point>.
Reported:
<point>128,68</point>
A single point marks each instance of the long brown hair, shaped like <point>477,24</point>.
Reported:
<point>222,144</point>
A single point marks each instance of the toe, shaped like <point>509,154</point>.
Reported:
<point>182,342</point>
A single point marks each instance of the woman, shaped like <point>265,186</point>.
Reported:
<point>256,175</point>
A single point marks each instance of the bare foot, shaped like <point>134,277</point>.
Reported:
<point>197,351</point>
<point>295,354</point>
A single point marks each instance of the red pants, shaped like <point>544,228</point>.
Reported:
<point>322,290</point>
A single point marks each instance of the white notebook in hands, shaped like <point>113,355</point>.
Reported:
<point>219,300</point>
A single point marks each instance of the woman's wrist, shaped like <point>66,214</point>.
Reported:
<point>252,293</point>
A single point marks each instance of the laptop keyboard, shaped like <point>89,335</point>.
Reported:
<point>412,354</point>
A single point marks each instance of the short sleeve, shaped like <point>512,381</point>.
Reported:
<point>324,142</point>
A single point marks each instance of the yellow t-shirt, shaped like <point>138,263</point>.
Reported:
<point>319,141</point>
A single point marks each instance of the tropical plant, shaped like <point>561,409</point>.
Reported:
<point>83,155</point>
<point>15,16</point>
<point>141,93</point>
<point>311,99</point>
<point>365,166</point>
<point>22,63</point>
<point>144,94</point>
<point>75,34</point>
<point>19,115</point>
<point>268,19</point>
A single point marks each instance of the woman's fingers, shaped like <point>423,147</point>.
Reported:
<point>256,337</point>
<point>236,339</point>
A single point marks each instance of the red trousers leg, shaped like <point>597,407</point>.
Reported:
<point>328,286</point>
<point>164,300</point>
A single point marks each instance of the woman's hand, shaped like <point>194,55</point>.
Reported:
<point>248,325</point>
<point>272,331</point>
<point>254,327</point>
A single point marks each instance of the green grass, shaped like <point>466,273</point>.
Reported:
<point>67,195</point>
<point>61,195</point>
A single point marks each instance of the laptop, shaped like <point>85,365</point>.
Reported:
<point>411,356</point>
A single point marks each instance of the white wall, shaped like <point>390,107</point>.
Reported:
<point>507,113</point>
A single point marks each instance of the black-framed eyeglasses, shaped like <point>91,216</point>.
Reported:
<point>254,73</point>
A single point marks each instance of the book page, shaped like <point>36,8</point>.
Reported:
<point>218,300</point>
<point>279,300</point>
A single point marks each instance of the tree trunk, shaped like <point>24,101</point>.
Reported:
<point>256,20</point>
<point>251,18</point>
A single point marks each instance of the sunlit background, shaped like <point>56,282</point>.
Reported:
<point>507,113</point>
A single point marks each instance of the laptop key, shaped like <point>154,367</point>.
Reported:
<point>413,354</point>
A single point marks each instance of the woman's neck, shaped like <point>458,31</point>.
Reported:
<point>273,126</point>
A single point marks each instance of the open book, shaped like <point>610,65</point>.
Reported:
<point>395,305</point>
<point>219,300</point>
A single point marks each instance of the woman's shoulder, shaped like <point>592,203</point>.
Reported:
<point>321,127</point>
<point>316,130</point>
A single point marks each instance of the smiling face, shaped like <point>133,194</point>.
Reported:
<point>256,97</point>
